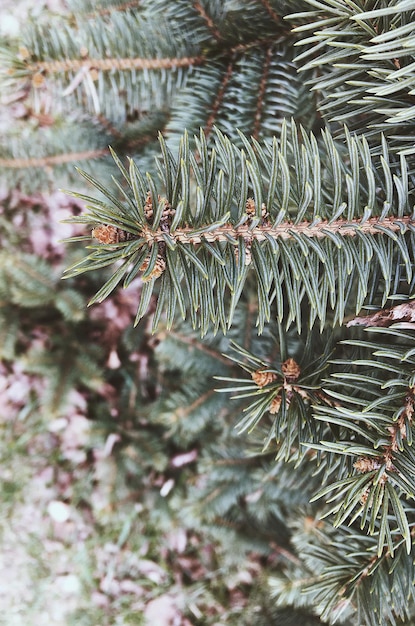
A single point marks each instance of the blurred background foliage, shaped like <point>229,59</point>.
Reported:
<point>125,488</point>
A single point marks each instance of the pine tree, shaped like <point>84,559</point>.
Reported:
<point>267,212</point>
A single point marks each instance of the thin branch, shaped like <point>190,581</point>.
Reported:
<point>261,93</point>
<point>108,126</point>
<point>404,313</point>
<point>258,43</point>
<point>199,345</point>
<point>286,230</point>
<point>57,159</point>
<point>110,64</point>
<point>365,465</point>
<point>182,412</point>
<point>273,15</point>
<point>209,22</point>
<point>219,99</point>
<point>122,7</point>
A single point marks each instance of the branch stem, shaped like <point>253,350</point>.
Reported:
<point>107,65</point>
<point>56,159</point>
<point>285,230</point>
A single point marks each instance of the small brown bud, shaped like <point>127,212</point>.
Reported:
<point>38,80</point>
<point>364,496</point>
<point>157,270</point>
<point>290,369</point>
<point>250,207</point>
<point>148,207</point>
<point>364,465</point>
<point>275,405</point>
<point>24,53</point>
<point>106,233</point>
<point>262,378</point>
<point>94,74</point>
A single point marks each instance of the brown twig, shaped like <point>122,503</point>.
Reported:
<point>209,22</point>
<point>386,317</point>
<point>56,159</point>
<point>285,230</point>
<point>107,65</point>
<point>121,7</point>
<point>261,93</point>
<point>273,15</point>
<point>365,465</point>
<point>219,99</point>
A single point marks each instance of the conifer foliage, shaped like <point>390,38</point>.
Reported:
<point>265,212</point>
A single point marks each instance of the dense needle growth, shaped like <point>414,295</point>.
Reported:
<point>257,201</point>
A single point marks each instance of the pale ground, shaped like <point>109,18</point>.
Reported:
<point>39,581</point>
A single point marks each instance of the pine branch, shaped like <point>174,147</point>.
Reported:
<point>282,394</point>
<point>204,248</point>
<point>340,572</point>
<point>286,230</point>
<point>58,159</point>
<point>108,65</point>
<point>74,62</point>
<point>209,21</point>
<point>366,56</point>
<point>377,432</point>
<point>263,73</point>
<point>49,151</point>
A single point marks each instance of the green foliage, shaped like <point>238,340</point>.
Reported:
<point>264,242</point>
<point>41,157</point>
<point>365,53</point>
<point>326,238</point>
<point>343,579</point>
<point>288,389</point>
<point>374,413</point>
<point>167,66</point>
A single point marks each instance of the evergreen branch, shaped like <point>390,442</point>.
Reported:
<point>349,574</point>
<point>209,22</point>
<point>48,161</point>
<point>284,392</point>
<point>211,120</point>
<point>381,443</point>
<point>365,60</point>
<point>273,15</point>
<point>212,94</point>
<point>286,230</point>
<point>206,247</point>
<point>50,150</point>
<point>261,93</point>
<point>80,58</point>
<point>113,64</point>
